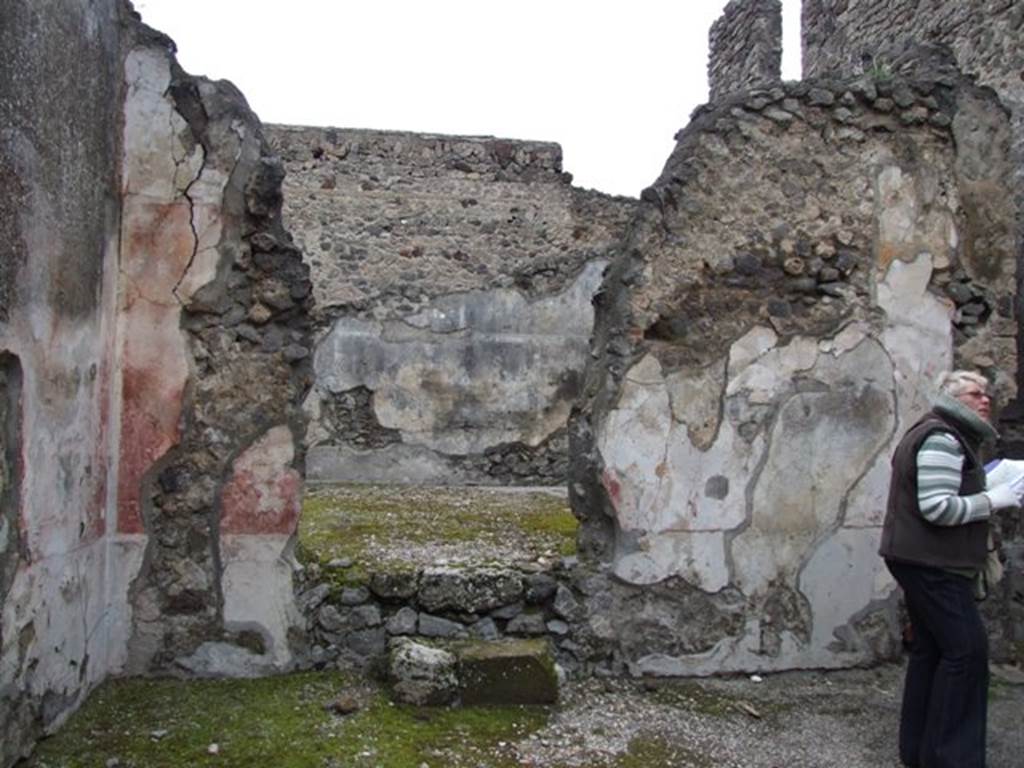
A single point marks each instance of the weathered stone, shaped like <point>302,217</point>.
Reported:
<point>508,611</point>
<point>311,599</point>
<point>449,589</point>
<point>420,675</point>
<point>403,622</point>
<point>565,605</point>
<point>394,586</point>
<point>510,672</point>
<point>436,626</point>
<point>354,595</point>
<point>539,588</point>
<point>526,624</point>
<point>368,643</point>
<point>485,629</point>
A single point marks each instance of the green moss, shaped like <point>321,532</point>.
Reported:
<point>276,722</point>
<point>364,523</point>
<point>392,736</point>
<point>155,723</point>
<point>558,522</point>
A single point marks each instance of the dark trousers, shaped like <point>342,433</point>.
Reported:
<point>945,695</point>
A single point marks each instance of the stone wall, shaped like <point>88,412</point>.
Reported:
<point>453,278</point>
<point>214,351</point>
<point>155,349</point>
<point>745,47</point>
<point>812,255</point>
<point>61,591</point>
<point>986,39</point>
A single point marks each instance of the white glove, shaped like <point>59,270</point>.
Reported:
<point>1006,494</point>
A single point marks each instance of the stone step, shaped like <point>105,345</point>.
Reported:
<point>473,673</point>
<point>434,564</point>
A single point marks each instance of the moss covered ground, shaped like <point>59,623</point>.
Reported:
<point>373,528</point>
<point>282,722</point>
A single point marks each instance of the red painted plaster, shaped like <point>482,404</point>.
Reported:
<point>264,493</point>
<point>158,247</point>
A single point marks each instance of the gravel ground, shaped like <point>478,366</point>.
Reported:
<point>792,720</point>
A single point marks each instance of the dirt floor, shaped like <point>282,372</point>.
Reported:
<point>336,720</point>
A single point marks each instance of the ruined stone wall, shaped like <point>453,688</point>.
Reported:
<point>214,352</point>
<point>453,278</point>
<point>154,352</point>
<point>811,257</point>
<point>61,592</point>
<point>745,47</point>
<point>986,39</point>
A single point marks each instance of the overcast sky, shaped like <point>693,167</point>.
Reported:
<point>610,81</point>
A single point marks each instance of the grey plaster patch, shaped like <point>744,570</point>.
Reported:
<point>473,370</point>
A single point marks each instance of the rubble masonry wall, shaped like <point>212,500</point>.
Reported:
<point>812,256</point>
<point>745,47</point>
<point>453,277</point>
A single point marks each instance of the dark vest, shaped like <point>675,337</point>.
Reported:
<point>906,535</point>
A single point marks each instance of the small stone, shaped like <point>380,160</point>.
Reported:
<point>903,96</point>
<point>565,604</point>
<point>436,626</point>
<point>158,734</point>
<point>259,313</point>
<point>828,275</point>
<point>836,290</point>
<point>960,293</point>
<point>485,629</point>
<point>558,627</point>
<point>213,749</point>
<point>794,266</point>
<point>344,704</point>
<point>820,97</point>
<point>113,762</point>
<point>295,352</point>
<point>312,598</point>
<point>340,562</point>
<point>403,622</point>
<point>354,595</point>
<point>508,611</point>
<point>778,116</point>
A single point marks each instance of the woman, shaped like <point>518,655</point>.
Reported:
<point>934,544</point>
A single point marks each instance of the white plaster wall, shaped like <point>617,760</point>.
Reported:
<point>796,502</point>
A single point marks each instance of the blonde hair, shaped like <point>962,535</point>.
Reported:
<point>953,383</point>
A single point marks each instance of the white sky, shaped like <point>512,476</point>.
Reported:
<point>609,80</point>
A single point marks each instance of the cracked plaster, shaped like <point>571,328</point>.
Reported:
<point>470,371</point>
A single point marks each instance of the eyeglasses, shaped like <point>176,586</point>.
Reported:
<point>975,394</point>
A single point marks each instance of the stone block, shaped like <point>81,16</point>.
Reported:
<point>449,589</point>
<point>421,675</point>
<point>435,626</point>
<point>507,672</point>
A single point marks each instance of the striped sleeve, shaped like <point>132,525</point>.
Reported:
<point>940,460</point>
